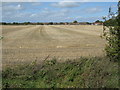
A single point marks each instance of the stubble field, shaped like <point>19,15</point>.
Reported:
<point>26,43</point>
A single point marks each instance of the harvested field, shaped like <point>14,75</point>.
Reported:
<point>25,43</point>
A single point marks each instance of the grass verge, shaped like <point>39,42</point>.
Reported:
<point>92,72</point>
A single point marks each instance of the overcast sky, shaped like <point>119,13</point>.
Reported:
<point>55,11</point>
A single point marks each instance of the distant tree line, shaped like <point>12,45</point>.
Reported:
<point>50,23</point>
<point>98,21</point>
<point>24,23</point>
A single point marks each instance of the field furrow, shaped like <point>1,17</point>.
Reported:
<point>28,43</point>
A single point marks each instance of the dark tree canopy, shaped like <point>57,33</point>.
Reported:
<point>75,21</point>
<point>98,21</point>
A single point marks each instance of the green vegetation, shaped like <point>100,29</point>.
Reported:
<point>98,21</point>
<point>110,22</point>
<point>1,37</point>
<point>112,34</point>
<point>83,73</point>
<point>75,21</point>
<point>51,23</point>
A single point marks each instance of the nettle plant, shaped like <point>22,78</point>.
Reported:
<point>111,31</point>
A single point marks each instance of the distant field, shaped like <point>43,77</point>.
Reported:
<point>25,43</point>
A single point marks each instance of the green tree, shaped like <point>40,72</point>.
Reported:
<point>4,23</point>
<point>27,23</point>
<point>111,22</point>
<point>61,23</point>
<point>112,33</point>
<point>75,21</point>
<point>50,23</point>
<point>15,23</point>
<point>98,21</point>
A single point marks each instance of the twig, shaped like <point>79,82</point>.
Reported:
<point>46,57</point>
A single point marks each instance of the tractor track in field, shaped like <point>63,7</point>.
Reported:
<point>25,44</point>
<point>67,30</point>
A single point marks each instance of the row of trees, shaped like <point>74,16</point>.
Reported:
<point>24,23</point>
<point>30,23</point>
<point>49,23</point>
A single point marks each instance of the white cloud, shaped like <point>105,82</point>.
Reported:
<point>93,10</point>
<point>44,15</point>
<point>12,7</point>
<point>47,14</point>
<point>18,6</point>
<point>66,4</point>
<point>21,12</point>
<point>36,3</point>
<point>33,15</point>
